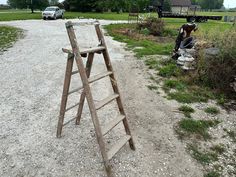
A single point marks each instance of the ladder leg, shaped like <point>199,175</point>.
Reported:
<point>114,84</point>
<point>82,97</point>
<point>67,80</point>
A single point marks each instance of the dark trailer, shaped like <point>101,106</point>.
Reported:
<point>184,9</point>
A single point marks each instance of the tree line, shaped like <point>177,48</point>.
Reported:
<point>108,5</point>
<point>209,4</point>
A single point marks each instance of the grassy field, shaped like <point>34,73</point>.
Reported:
<point>8,36</point>
<point>8,15</point>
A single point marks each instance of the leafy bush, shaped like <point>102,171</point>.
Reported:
<point>155,26</point>
<point>219,72</point>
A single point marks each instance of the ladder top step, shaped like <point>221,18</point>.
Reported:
<point>85,51</point>
<point>121,142</point>
<point>112,124</point>
<point>106,101</point>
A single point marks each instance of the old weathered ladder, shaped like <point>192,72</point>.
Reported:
<point>76,54</point>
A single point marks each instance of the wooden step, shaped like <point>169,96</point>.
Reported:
<point>86,51</point>
<point>99,76</point>
<point>77,104</point>
<point>112,124</point>
<point>106,101</point>
<point>91,80</point>
<point>121,142</point>
<point>75,90</point>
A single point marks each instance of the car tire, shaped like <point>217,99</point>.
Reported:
<point>62,16</point>
<point>55,17</point>
<point>44,18</point>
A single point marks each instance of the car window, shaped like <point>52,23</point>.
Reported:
<point>50,9</point>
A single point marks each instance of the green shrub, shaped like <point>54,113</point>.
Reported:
<point>154,25</point>
<point>219,72</point>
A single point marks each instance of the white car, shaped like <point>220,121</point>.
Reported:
<point>52,12</point>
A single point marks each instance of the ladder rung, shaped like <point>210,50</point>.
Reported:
<point>121,142</point>
<point>72,107</point>
<point>74,72</point>
<point>85,51</point>
<point>69,121</point>
<point>91,79</point>
<point>99,76</point>
<point>112,124</point>
<point>106,101</point>
<point>93,50</point>
<point>75,90</point>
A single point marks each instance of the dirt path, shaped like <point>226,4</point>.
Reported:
<point>32,74</point>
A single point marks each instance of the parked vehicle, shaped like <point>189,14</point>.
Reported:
<point>52,12</point>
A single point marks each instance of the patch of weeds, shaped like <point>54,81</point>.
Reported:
<point>145,31</point>
<point>199,128</point>
<point>165,62</point>
<point>152,87</point>
<point>170,70</point>
<point>212,110</point>
<point>192,95</point>
<point>173,84</point>
<point>170,32</point>
<point>187,110</point>
<point>186,97</point>
<point>220,149</point>
<point>202,157</point>
<point>221,100</point>
<point>212,174</point>
<point>231,134</point>
<point>9,35</point>
<point>152,63</point>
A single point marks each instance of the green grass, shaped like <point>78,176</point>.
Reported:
<point>174,84</point>
<point>170,70</point>
<point>27,15</point>
<point>220,149</point>
<point>8,36</point>
<point>212,110</point>
<point>139,46</point>
<point>212,174</point>
<point>153,63</point>
<point>187,110</point>
<point>199,128</point>
<point>192,94</point>
<point>202,157</point>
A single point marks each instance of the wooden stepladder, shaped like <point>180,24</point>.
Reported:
<point>76,54</point>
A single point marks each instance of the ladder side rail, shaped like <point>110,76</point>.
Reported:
<point>67,80</point>
<point>114,83</point>
<point>82,96</point>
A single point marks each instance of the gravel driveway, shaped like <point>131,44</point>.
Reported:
<point>32,74</point>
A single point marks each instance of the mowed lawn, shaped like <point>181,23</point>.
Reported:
<point>8,15</point>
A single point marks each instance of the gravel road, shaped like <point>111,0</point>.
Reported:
<point>32,74</point>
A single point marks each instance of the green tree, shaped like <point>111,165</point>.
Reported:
<point>21,4</point>
<point>53,2</point>
<point>33,4</point>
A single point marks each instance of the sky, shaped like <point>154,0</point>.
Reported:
<point>227,3</point>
